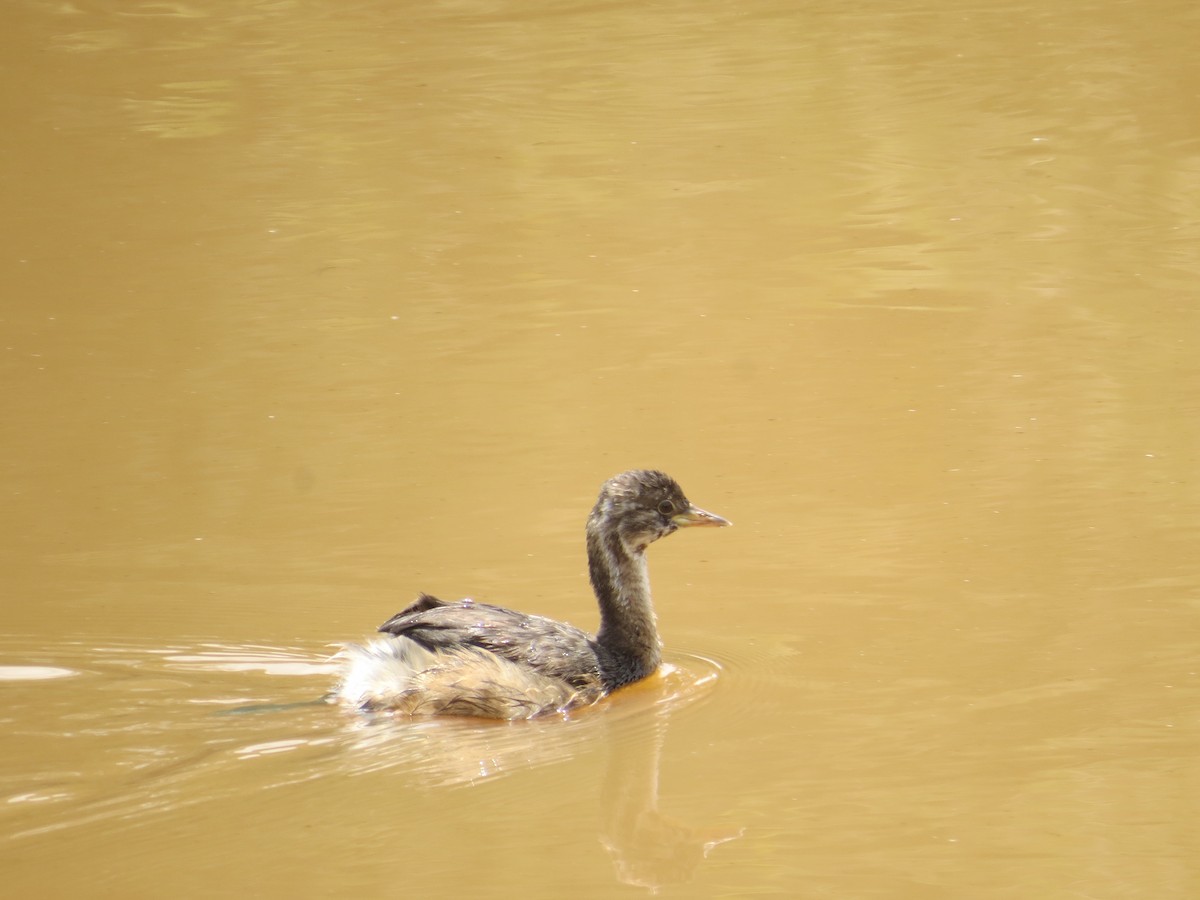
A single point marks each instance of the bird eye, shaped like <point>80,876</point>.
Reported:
<point>666,507</point>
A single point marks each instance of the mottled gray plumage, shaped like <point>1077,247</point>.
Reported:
<point>468,658</point>
<point>544,645</point>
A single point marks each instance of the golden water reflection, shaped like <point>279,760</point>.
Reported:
<point>306,308</point>
<point>175,761</point>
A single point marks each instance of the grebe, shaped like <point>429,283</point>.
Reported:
<point>474,659</point>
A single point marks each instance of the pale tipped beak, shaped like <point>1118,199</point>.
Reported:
<point>695,516</point>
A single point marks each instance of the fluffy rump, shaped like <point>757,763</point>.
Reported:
<point>399,675</point>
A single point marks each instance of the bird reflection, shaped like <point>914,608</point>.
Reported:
<point>649,849</point>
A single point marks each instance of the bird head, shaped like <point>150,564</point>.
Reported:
<point>644,505</point>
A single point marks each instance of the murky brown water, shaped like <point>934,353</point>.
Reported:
<point>308,307</point>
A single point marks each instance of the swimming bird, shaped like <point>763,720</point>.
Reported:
<point>474,659</point>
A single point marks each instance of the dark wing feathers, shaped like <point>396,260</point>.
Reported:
<point>422,603</point>
<point>544,645</point>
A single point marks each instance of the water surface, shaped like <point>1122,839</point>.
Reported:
<point>307,308</point>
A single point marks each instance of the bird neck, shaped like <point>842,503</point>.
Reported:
<point>628,632</point>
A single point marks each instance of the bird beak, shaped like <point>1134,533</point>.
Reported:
<point>696,516</point>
